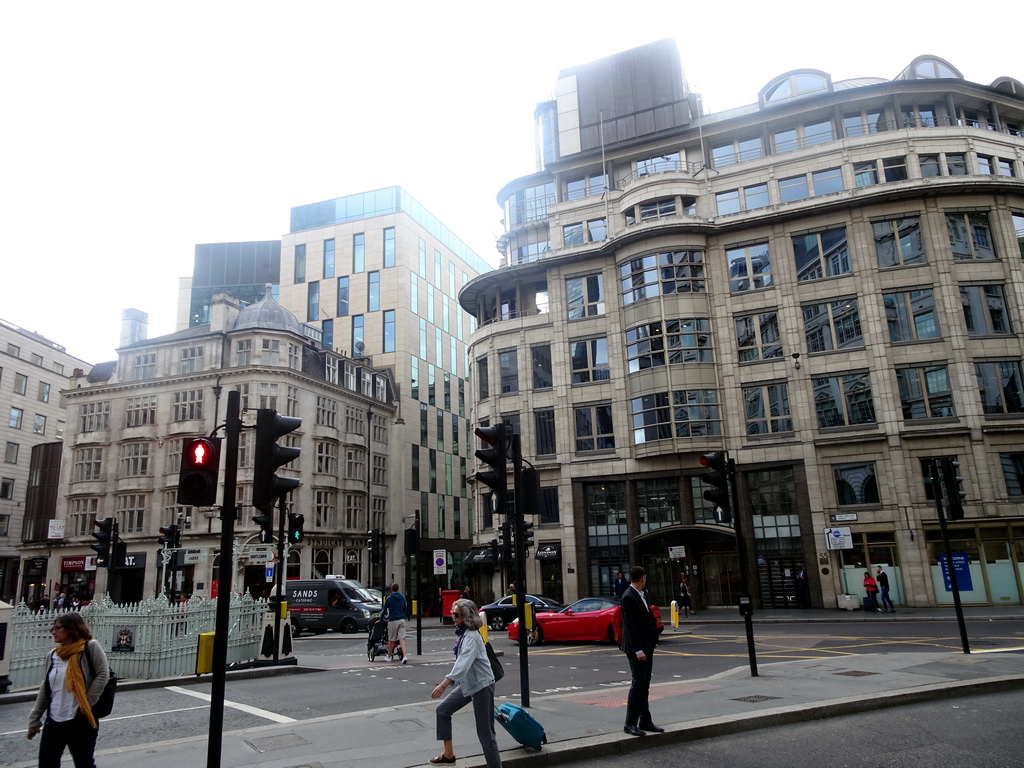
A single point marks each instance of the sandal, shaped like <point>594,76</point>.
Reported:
<point>442,760</point>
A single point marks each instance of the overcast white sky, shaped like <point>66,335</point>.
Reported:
<point>133,130</point>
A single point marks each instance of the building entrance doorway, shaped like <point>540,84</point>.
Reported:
<point>718,581</point>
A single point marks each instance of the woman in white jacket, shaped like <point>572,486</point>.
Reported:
<point>474,682</point>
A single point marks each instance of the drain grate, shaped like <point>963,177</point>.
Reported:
<point>856,673</point>
<point>756,699</point>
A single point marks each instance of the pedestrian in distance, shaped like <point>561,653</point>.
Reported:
<point>621,585</point>
<point>394,613</point>
<point>882,579</point>
<point>467,593</point>
<point>639,636</point>
<point>871,590</point>
<point>473,681</point>
<point>76,674</point>
<point>803,589</point>
<point>685,597</point>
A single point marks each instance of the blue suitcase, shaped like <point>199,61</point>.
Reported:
<point>521,724</point>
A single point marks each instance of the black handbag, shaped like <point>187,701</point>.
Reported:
<point>105,704</point>
<point>496,666</point>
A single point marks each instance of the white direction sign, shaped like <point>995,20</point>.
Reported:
<point>260,556</point>
<point>838,538</point>
<point>193,556</point>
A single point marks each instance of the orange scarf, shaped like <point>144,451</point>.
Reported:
<point>74,680</point>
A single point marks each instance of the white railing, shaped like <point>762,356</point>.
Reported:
<point>150,639</point>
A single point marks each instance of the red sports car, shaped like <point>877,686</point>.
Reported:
<point>593,619</point>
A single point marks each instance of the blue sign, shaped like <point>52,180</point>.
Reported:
<point>962,567</point>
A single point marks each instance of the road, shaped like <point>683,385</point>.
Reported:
<point>965,732</point>
<point>350,683</point>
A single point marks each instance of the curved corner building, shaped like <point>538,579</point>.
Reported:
<point>827,284</point>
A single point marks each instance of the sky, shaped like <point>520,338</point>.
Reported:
<point>131,131</point>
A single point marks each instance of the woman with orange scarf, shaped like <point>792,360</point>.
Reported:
<point>76,674</point>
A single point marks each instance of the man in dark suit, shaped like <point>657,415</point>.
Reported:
<point>639,635</point>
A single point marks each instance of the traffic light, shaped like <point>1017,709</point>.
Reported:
<point>412,541</point>
<point>267,487</point>
<point>373,544</point>
<point>495,552</point>
<point>494,456</point>
<point>505,541</point>
<point>953,487</point>
<point>266,523</point>
<point>104,536</point>
<point>200,471</point>
<point>170,536</point>
<point>295,524</point>
<point>120,550</point>
<point>527,537</point>
<point>717,476</point>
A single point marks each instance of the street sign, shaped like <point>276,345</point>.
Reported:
<point>962,567</point>
<point>440,562</point>
<point>193,556</point>
<point>270,573</point>
<point>838,538</point>
<point>259,556</point>
<point>55,529</point>
<point>677,553</point>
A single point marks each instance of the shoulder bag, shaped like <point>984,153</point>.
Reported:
<point>497,669</point>
<point>105,704</point>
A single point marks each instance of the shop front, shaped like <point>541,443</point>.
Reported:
<point>549,557</point>
<point>77,578</point>
<point>988,559</point>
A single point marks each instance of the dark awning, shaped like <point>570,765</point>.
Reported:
<point>478,556</point>
<point>549,552</point>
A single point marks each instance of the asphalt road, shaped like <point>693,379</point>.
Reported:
<point>965,732</point>
<point>350,683</point>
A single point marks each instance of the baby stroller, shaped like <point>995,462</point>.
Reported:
<point>377,639</point>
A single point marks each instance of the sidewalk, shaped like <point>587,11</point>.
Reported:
<point>584,724</point>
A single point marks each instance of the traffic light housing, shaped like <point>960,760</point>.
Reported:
<point>170,536</point>
<point>527,537</point>
<point>105,533</point>
<point>295,527</point>
<point>265,520</point>
<point>495,456</point>
<point>953,488</point>
<point>717,476</point>
<point>200,471</point>
<point>505,541</point>
<point>412,541</point>
<point>267,487</point>
<point>373,544</point>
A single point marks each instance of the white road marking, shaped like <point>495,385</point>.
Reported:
<point>273,716</point>
<point>125,717</point>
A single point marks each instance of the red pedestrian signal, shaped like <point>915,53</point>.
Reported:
<point>200,472</point>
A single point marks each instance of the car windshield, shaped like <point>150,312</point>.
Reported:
<point>359,595</point>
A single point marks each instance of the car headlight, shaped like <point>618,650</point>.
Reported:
<point>366,613</point>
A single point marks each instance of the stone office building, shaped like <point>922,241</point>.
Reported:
<point>827,283</point>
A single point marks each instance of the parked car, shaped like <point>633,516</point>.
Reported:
<point>501,612</point>
<point>591,619</point>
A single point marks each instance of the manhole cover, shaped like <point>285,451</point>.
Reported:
<point>756,699</point>
<point>284,741</point>
<point>856,673</point>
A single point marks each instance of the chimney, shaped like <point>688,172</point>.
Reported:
<point>224,308</point>
<point>134,326</point>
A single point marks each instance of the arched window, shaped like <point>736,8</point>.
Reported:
<point>795,85</point>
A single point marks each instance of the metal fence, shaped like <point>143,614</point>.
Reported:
<point>149,639</point>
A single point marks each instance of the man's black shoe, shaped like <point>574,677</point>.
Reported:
<point>632,730</point>
<point>652,728</point>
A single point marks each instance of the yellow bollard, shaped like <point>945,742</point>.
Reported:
<point>483,628</point>
<point>204,654</point>
<point>675,615</point>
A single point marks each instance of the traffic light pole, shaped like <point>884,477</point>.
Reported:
<point>278,577</point>
<point>746,605</point>
<point>233,428</point>
<point>941,467</point>
<point>521,592</point>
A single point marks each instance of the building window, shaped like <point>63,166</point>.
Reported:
<point>895,168</point>
<point>832,326</point>
<point>827,182</point>
<point>696,413</point>
<point>925,392</point>
<point>585,296</point>
<point>357,336</point>
<point>544,427</point>
<point>327,458</point>
<point>268,395</point>
<point>660,164</point>
<point>81,515</point>
<point>589,360</point>
<point>94,417</point>
<point>842,401</point>
<point>271,352</point>
<point>821,254</point>
<point>13,350</point>
<point>7,488</point>
<point>355,421</point>
<point>388,341</point>
<point>355,464</point>
<point>999,384</point>
<point>794,188</point>
<point>548,505</point>
<point>509,367</point>
<point>918,116</point>
<point>898,242</point>
<point>15,418</point>
<point>188,405</point>
<point>373,291</point>
<point>985,312</point>
<point>43,396</point>
<point>134,459</point>
<point>651,418</point>
<point>856,484</point>
<point>328,258</point>
<point>483,385</point>
<point>358,251</point>
<point>956,165</point>
<point>584,232</point>
<point>389,247</point>
<point>758,337</point>
<point>594,431</point>
<point>191,360</point>
<point>39,424</point>
<point>11,453</point>
<point>910,315</point>
<point>300,263</point>
<point>767,409</point>
<point>243,352</point>
<point>728,202</point>
<point>970,236</point>
<point>130,510</point>
<point>930,167</point>
<point>140,411</point>
<point>669,342</point>
<point>144,366</point>
<point>327,329</point>
<point>313,302</point>
<point>588,186</point>
<point>865,174</point>
<point>1013,472</point>
<point>667,272</point>
<point>738,151</point>
<point>87,464</point>
<point>749,267</point>
<point>863,123</point>
<point>326,412</point>
<point>20,384</point>
<point>540,355</point>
